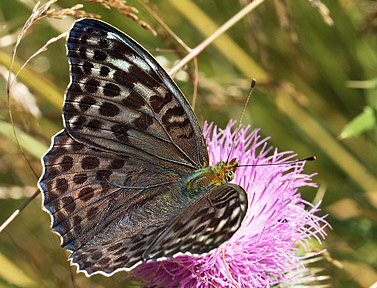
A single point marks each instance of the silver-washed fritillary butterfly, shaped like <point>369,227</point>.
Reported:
<point>127,180</point>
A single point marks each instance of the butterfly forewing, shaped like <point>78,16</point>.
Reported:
<point>121,100</point>
<point>114,178</point>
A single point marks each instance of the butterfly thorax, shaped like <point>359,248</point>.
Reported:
<point>220,173</point>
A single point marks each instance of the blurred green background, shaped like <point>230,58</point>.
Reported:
<point>305,99</point>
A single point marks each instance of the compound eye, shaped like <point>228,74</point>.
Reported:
<point>229,175</point>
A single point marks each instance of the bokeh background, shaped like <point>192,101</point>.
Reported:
<point>315,95</point>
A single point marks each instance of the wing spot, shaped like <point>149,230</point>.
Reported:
<point>108,109</point>
<point>133,101</point>
<point>91,85</point>
<point>111,90</point>
<point>116,164</point>
<point>86,102</point>
<point>104,71</point>
<point>94,125</point>
<point>89,163</point>
<point>100,56</point>
<point>157,102</point>
<point>143,122</point>
<point>124,78</point>
<point>50,196</point>
<point>69,110</point>
<point>59,150</point>
<point>104,261</point>
<point>61,185</point>
<point>103,175</point>
<point>69,204</point>
<point>73,54</point>
<point>150,79</point>
<point>76,220</point>
<point>79,122</point>
<point>122,259</point>
<point>66,163</point>
<point>75,87</point>
<point>86,194</point>
<point>87,67</point>
<point>103,43</point>
<point>122,251</point>
<point>137,246</point>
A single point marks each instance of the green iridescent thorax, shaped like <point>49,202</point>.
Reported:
<point>217,174</point>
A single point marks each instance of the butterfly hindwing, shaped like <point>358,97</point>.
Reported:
<point>120,99</point>
<point>204,225</point>
<point>198,228</point>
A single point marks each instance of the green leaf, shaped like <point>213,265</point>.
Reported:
<point>366,120</point>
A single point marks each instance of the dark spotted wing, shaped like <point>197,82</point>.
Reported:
<point>203,226</point>
<point>198,228</point>
<point>112,178</point>
<point>121,100</point>
<point>112,213</point>
<point>86,190</point>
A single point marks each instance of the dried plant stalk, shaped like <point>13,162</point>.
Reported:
<point>323,10</point>
<point>126,10</point>
<point>73,11</point>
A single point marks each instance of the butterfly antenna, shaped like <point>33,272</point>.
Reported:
<point>311,158</point>
<point>253,81</point>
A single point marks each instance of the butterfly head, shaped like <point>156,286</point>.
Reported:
<point>226,170</point>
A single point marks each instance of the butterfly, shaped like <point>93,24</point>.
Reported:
<point>127,180</point>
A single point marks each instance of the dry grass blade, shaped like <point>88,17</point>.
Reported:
<point>42,49</point>
<point>221,30</point>
<point>38,13</point>
<point>18,211</point>
<point>285,18</point>
<point>73,11</point>
<point>323,10</point>
<point>126,10</point>
<point>116,4</point>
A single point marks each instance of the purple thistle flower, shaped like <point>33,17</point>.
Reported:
<point>262,252</point>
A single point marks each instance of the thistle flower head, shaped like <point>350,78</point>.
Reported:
<point>262,252</point>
